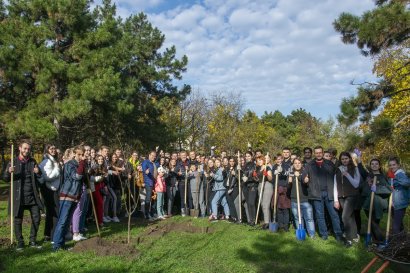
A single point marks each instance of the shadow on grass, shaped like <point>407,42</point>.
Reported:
<point>279,253</point>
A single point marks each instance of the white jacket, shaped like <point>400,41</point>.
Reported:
<point>51,172</point>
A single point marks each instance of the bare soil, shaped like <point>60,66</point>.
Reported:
<point>163,228</point>
<point>103,247</point>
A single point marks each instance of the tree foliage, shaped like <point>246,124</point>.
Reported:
<point>68,73</point>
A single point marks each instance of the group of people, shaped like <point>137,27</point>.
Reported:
<point>332,191</point>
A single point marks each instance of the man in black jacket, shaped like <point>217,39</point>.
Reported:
<point>320,175</point>
<point>27,180</point>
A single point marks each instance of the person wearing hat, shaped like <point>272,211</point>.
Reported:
<point>160,189</point>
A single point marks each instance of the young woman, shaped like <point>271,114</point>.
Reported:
<point>232,189</point>
<point>401,193</point>
<point>382,193</point>
<point>99,174</point>
<point>220,191</point>
<point>172,185</point>
<point>267,194</point>
<point>209,194</point>
<point>111,197</point>
<point>250,188</point>
<point>283,198</point>
<point>52,174</point>
<point>346,192</point>
<point>305,207</point>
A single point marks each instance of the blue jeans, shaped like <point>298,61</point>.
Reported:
<point>85,202</point>
<point>307,216</point>
<point>319,206</point>
<point>160,203</point>
<point>65,214</point>
<point>220,197</point>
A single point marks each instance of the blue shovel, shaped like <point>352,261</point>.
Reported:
<point>300,231</point>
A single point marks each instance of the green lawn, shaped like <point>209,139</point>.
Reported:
<point>226,248</point>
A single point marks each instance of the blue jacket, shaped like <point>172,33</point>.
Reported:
<point>149,179</point>
<point>401,192</point>
<point>219,177</point>
<point>72,184</point>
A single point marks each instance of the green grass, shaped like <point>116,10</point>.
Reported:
<point>229,248</point>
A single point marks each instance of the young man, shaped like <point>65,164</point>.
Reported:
<point>307,155</point>
<point>70,194</point>
<point>149,169</point>
<point>27,179</point>
<point>319,173</point>
<point>181,168</point>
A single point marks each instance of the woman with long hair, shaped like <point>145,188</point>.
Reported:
<point>99,175</point>
<point>262,169</point>
<point>52,174</point>
<point>381,191</point>
<point>346,193</point>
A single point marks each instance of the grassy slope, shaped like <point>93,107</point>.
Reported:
<point>230,248</point>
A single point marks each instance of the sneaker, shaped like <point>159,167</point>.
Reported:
<point>77,238</point>
<point>212,218</point>
<point>357,239</point>
<point>106,220</point>
<point>20,246</point>
<point>348,243</point>
<point>161,217</point>
<point>34,245</point>
<point>115,219</point>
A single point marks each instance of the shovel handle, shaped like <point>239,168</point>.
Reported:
<point>371,206</point>
<point>12,196</point>
<point>275,198</point>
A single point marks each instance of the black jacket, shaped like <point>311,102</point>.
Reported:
<point>320,178</point>
<point>36,181</point>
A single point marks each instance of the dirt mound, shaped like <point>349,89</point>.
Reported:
<point>161,229</point>
<point>102,247</point>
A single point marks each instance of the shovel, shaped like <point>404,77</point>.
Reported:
<point>368,238</point>
<point>386,241</point>
<point>12,196</point>
<point>300,231</point>
<point>186,193</point>
<point>195,212</point>
<point>274,225</point>
<point>240,189</point>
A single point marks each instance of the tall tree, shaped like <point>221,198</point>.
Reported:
<point>68,73</point>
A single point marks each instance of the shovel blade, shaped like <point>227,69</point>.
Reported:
<point>368,239</point>
<point>300,233</point>
<point>273,227</point>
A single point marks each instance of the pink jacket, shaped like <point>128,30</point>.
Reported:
<point>160,185</point>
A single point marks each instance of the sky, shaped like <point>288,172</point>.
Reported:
<point>279,54</point>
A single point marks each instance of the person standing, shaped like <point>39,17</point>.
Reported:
<point>52,175</point>
<point>70,194</point>
<point>181,170</point>
<point>401,193</point>
<point>346,193</point>
<point>320,173</point>
<point>27,181</point>
<point>150,171</point>
<point>160,189</point>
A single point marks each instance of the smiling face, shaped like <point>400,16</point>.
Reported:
<point>375,165</point>
<point>52,151</point>
<point>297,165</point>
<point>319,154</point>
<point>248,157</point>
<point>210,163</point>
<point>100,160</point>
<point>24,149</point>
<point>78,155</point>
<point>393,165</point>
<point>217,163</point>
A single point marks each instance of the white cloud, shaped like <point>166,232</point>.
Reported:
<point>280,54</point>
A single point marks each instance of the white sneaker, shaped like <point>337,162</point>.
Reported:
<point>115,219</point>
<point>78,238</point>
<point>106,220</point>
<point>161,217</point>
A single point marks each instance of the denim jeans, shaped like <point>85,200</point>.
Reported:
<point>160,203</point>
<point>65,214</point>
<point>171,192</point>
<point>84,209</point>
<point>319,206</point>
<point>220,197</point>
<point>307,216</point>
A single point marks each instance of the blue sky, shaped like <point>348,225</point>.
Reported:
<point>280,55</point>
